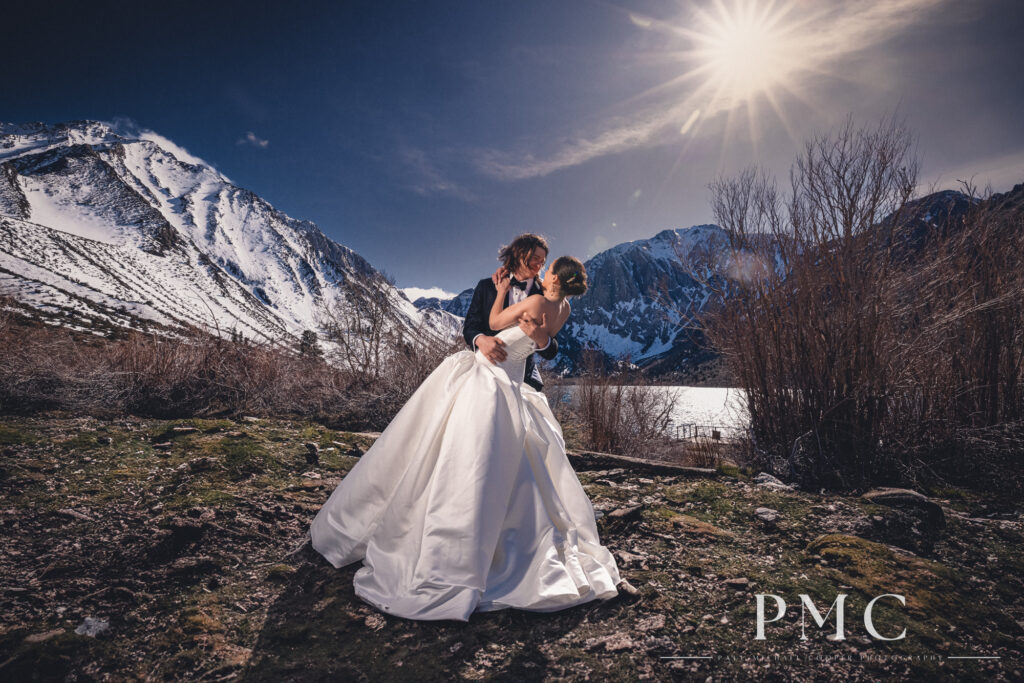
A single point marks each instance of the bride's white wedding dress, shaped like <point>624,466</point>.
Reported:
<point>467,502</point>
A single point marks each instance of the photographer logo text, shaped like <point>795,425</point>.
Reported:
<point>839,606</point>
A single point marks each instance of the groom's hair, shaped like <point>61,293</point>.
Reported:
<point>519,251</point>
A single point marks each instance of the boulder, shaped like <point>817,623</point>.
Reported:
<point>906,498</point>
<point>767,515</point>
<point>92,627</point>
<point>765,478</point>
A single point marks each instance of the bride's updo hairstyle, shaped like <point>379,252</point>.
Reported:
<point>572,276</point>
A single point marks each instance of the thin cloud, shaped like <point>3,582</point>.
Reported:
<point>253,140</point>
<point>427,178</point>
<point>826,34</point>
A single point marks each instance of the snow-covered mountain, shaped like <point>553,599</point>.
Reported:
<point>641,301</point>
<point>100,226</point>
<point>457,305</point>
<point>643,297</point>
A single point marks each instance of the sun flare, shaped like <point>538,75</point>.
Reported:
<point>745,49</point>
<point>735,57</point>
<point>736,60</point>
<point>745,53</point>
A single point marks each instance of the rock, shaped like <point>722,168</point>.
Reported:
<point>625,587</point>
<point>309,485</point>
<point>905,498</point>
<point>628,558</point>
<point>739,582</point>
<point>76,514</point>
<point>163,446</point>
<point>249,418</point>
<point>626,513</point>
<point>202,464</point>
<point>767,515</point>
<point>355,451</point>
<point>654,622</point>
<point>767,481</point>
<point>92,627</point>
<point>104,440</point>
<point>179,431</point>
<point>660,645</point>
<point>616,642</point>
<point>312,453</point>
<point>311,475</point>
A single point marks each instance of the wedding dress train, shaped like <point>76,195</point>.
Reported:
<point>467,502</point>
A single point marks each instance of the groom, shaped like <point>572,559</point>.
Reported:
<point>522,261</point>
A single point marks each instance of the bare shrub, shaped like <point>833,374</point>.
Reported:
<point>196,373</point>
<point>41,367</point>
<point>863,358</point>
<point>381,360</point>
<point>615,418</point>
<point>361,327</point>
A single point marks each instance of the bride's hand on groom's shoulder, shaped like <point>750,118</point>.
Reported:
<point>500,275</point>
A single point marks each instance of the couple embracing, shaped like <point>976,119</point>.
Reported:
<point>467,501</point>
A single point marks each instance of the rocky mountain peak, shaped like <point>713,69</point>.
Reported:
<point>122,226</point>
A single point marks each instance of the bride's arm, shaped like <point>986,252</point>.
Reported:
<point>500,319</point>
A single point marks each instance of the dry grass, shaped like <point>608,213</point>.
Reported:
<point>198,374</point>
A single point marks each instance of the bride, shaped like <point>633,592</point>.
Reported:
<point>467,501</point>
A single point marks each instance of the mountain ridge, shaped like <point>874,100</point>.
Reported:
<point>78,200</point>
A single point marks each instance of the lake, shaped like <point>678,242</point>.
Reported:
<point>709,408</point>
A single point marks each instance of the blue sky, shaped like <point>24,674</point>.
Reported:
<point>426,134</point>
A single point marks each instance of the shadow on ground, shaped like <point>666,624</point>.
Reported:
<point>319,629</point>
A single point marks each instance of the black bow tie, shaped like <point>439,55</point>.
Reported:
<point>518,284</point>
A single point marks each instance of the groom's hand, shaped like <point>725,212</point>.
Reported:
<point>492,348</point>
<point>534,329</point>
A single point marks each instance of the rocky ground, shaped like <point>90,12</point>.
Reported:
<point>155,550</point>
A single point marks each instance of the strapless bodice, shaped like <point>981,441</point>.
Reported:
<point>518,347</point>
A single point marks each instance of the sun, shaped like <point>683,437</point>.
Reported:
<point>745,49</point>
<point>734,55</point>
<point>735,61</point>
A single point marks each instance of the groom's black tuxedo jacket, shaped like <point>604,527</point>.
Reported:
<point>478,317</point>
